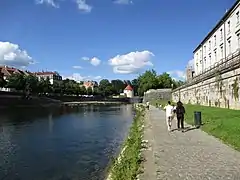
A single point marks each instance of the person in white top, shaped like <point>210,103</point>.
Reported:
<point>169,115</point>
<point>147,104</point>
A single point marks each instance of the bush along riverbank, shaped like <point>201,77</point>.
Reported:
<point>127,165</point>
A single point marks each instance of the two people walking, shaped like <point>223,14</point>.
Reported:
<point>171,111</point>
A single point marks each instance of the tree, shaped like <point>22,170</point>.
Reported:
<point>16,81</point>
<point>89,91</point>
<point>31,83</point>
<point>118,86</point>
<point>83,90</point>
<point>105,87</point>
<point>44,85</point>
<point>2,80</point>
<point>165,81</point>
<point>135,85</point>
<point>147,80</point>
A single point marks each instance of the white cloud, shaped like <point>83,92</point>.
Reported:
<point>77,67</point>
<point>95,61</point>
<point>48,2</point>
<point>83,6</point>
<point>85,58</point>
<point>97,77</point>
<point>78,77</point>
<point>123,2</point>
<point>12,55</point>
<point>131,63</point>
<point>177,74</point>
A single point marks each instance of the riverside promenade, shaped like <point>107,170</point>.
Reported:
<point>189,155</point>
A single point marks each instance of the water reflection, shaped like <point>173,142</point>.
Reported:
<point>65,143</point>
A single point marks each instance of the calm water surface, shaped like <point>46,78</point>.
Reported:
<point>61,144</point>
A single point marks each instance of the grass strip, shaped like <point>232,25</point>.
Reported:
<point>127,165</point>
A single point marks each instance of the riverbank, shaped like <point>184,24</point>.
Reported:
<point>127,165</point>
<point>79,103</point>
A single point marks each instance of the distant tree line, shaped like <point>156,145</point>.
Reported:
<point>31,84</point>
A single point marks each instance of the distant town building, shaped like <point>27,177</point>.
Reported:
<point>90,84</point>
<point>6,71</point>
<point>221,43</point>
<point>53,76</point>
<point>128,91</point>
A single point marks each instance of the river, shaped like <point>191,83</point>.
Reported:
<point>63,143</point>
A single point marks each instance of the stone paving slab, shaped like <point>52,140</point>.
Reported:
<point>192,155</point>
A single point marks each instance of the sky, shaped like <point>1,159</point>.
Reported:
<point>113,39</point>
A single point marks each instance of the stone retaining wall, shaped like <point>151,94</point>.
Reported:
<point>157,94</point>
<point>220,91</point>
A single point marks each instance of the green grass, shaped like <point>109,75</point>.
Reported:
<point>221,123</point>
<point>128,167</point>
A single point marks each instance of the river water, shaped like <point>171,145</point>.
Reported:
<point>61,144</point>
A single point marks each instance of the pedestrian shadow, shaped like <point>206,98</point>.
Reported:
<point>190,128</point>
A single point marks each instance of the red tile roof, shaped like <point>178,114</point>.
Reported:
<point>45,73</point>
<point>129,88</point>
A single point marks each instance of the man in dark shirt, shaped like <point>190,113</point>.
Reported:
<point>180,111</point>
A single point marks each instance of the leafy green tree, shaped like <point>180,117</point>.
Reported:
<point>118,86</point>
<point>147,80</point>
<point>44,85</point>
<point>16,81</point>
<point>2,81</point>
<point>135,85</point>
<point>32,83</point>
<point>105,87</point>
<point>89,91</point>
<point>165,80</point>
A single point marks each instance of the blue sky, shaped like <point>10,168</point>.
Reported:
<point>96,39</point>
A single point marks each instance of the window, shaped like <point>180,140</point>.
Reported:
<point>215,40</point>
<point>229,46</point>
<point>209,43</point>
<point>221,48</point>
<point>237,18</point>
<point>238,40</point>
<point>229,27</point>
<point>215,56</point>
<point>204,63</point>
<point>221,34</point>
<point>205,50</point>
<point>210,60</point>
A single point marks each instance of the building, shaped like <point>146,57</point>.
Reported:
<point>90,84</point>
<point>128,91</point>
<point>189,73</point>
<point>221,43</point>
<point>53,76</point>
<point>6,71</point>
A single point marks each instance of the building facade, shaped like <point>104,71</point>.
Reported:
<point>53,76</point>
<point>216,65</point>
<point>220,44</point>
<point>90,84</point>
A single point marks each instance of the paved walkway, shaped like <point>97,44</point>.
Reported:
<point>192,155</point>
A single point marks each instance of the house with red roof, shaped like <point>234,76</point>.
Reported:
<point>128,91</point>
